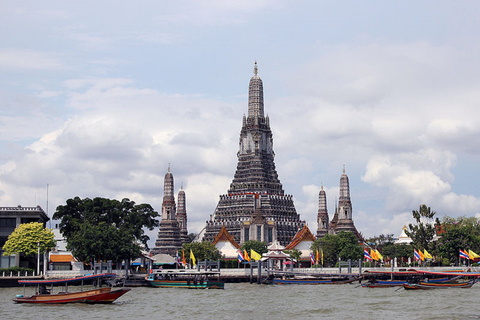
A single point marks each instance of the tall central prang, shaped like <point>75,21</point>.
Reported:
<point>255,207</point>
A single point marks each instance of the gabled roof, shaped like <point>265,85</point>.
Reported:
<point>303,235</point>
<point>223,235</point>
<point>61,258</point>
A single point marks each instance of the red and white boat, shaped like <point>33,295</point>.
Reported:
<point>97,295</point>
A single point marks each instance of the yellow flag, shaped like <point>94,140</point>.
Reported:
<point>379,255</point>
<point>321,251</point>
<point>472,254</point>
<point>374,255</point>
<point>255,256</point>
<point>192,257</point>
<point>426,254</point>
<point>247,257</point>
<point>420,253</point>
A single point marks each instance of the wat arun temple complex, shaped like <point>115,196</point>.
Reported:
<point>255,206</point>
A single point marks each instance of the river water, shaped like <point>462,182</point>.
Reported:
<point>252,301</point>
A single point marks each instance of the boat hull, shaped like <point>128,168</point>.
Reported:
<point>428,285</point>
<point>103,295</point>
<point>205,284</point>
<point>312,281</point>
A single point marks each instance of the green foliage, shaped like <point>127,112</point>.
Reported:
<point>344,245</point>
<point>26,239</point>
<point>458,233</point>
<point>16,270</point>
<point>386,245</point>
<point>259,247</point>
<point>422,234</point>
<point>104,229</point>
<point>295,254</point>
<point>202,251</point>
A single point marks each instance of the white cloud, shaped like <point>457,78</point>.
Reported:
<point>22,59</point>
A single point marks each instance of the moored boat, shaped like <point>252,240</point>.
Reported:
<point>314,281</point>
<point>435,285</point>
<point>102,295</point>
<point>190,279</point>
<point>45,296</point>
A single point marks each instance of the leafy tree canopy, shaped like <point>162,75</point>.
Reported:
<point>202,251</point>
<point>422,233</point>
<point>343,245</point>
<point>295,254</point>
<point>107,229</point>
<point>27,237</point>
<point>458,233</point>
<point>259,247</point>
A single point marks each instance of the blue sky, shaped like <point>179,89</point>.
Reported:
<point>97,98</point>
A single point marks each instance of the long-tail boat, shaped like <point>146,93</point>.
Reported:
<point>338,280</point>
<point>45,296</point>
<point>190,279</point>
<point>433,285</point>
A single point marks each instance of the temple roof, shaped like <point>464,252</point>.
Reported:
<point>303,235</point>
<point>223,235</point>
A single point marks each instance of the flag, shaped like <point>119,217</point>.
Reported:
<point>472,254</point>
<point>426,254</point>
<point>464,255</point>
<point>240,256</point>
<point>367,255</point>
<point>321,251</point>
<point>178,258</point>
<point>184,261</point>
<point>420,253</point>
<point>374,255</point>
<point>417,256</point>
<point>247,257</point>
<point>192,257</point>
<point>255,256</point>
<point>317,258</point>
<point>312,258</point>
<point>379,255</point>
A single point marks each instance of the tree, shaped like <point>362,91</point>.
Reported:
<point>343,245</point>
<point>106,229</point>
<point>259,247</point>
<point>458,233</point>
<point>295,254</point>
<point>27,238</point>
<point>202,251</point>
<point>422,234</point>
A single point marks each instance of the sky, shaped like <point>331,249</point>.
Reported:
<point>97,98</point>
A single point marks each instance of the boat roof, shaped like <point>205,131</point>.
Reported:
<point>76,279</point>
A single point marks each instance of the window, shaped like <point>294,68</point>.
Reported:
<point>270,235</point>
<point>8,222</point>
<point>259,233</point>
<point>247,234</point>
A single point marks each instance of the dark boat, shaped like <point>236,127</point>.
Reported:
<point>340,280</point>
<point>98,295</point>
<point>433,285</point>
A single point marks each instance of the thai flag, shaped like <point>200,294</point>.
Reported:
<point>312,258</point>
<point>178,259</point>
<point>464,255</point>
<point>240,256</point>
<point>417,255</point>
<point>367,255</point>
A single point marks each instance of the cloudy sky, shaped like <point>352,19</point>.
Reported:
<point>98,97</point>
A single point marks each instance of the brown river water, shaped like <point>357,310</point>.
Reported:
<point>252,301</point>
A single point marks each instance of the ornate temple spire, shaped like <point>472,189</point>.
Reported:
<point>168,205</point>
<point>255,95</point>
<point>322,216</point>
<point>344,187</point>
<point>182,214</point>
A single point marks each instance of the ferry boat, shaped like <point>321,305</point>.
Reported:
<point>190,279</point>
<point>46,296</point>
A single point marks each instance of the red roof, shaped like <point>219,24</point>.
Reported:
<point>303,235</point>
<point>225,236</point>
